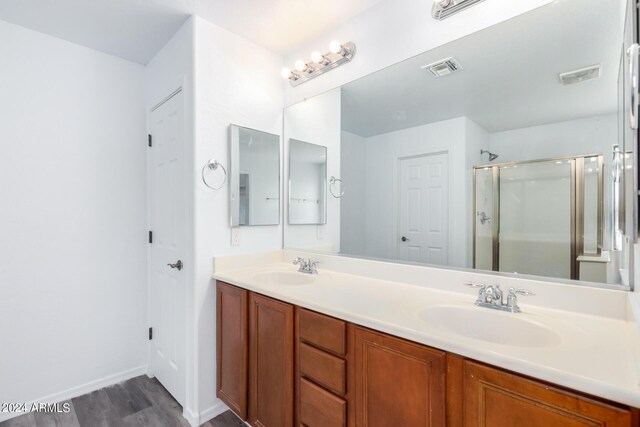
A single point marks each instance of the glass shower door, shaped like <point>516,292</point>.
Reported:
<point>536,211</point>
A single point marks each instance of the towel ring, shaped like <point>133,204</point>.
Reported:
<point>332,181</point>
<point>213,165</point>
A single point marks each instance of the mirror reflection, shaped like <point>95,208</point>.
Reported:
<point>503,158</point>
<point>307,183</point>
<point>254,177</point>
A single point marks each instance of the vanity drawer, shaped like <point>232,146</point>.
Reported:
<point>323,368</point>
<point>322,331</point>
<point>319,408</point>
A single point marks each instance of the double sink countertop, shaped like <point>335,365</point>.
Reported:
<point>598,353</point>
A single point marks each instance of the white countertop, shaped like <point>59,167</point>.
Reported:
<point>595,354</point>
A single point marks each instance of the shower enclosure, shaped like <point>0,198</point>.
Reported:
<point>540,217</point>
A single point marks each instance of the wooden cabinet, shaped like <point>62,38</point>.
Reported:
<point>232,347</point>
<point>270,362</point>
<point>494,398</point>
<point>280,366</point>
<point>395,382</point>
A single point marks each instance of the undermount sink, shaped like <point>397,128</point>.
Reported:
<point>284,278</point>
<point>490,326</point>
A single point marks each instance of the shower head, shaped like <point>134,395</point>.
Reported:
<point>492,156</point>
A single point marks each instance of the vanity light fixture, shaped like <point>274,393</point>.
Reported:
<point>339,53</point>
<point>442,9</point>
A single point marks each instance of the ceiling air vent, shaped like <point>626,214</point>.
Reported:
<point>443,67</point>
<point>580,75</point>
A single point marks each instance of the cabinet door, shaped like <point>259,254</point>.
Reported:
<point>270,362</point>
<point>395,382</point>
<point>232,347</point>
<point>495,398</point>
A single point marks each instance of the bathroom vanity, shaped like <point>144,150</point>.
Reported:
<point>286,357</point>
<point>477,163</point>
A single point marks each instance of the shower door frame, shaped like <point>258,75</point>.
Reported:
<point>577,184</point>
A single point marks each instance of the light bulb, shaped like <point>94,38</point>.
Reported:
<point>335,46</point>
<point>285,73</point>
<point>317,57</point>
<point>300,65</point>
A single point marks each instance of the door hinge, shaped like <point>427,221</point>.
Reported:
<point>150,140</point>
<point>150,236</point>
<point>150,334</point>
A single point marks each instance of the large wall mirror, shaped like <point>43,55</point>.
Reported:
<point>254,177</point>
<point>508,151</point>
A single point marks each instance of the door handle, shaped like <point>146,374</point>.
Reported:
<point>177,265</point>
<point>404,239</point>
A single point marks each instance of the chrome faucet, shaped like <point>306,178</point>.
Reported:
<point>307,266</point>
<point>491,296</point>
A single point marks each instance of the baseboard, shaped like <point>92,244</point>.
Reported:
<point>196,419</point>
<point>81,389</point>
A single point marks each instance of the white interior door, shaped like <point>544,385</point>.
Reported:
<point>167,291</point>
<point>424,209</point>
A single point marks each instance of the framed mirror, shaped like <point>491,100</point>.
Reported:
<point>507,151</point>
<point>254,177</point>
<point>307,183</point>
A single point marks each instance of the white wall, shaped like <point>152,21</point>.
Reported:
<point>393,31</point>
<point>593,135</point>
<point>354,166</point>
<point>238,83</point>
<point>316,121</point>
<point>72,224</point>
<point>369,166</point>
<point>173,67</point>
<point>476,139</point>
<point>378,212</point>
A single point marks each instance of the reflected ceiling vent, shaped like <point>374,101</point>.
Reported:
<point>581,75</point>
<point>443,67</point>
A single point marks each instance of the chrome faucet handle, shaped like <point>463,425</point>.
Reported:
<point>512,299</point>
<point>298,260</point>
<point>312,266</point>
<point>475,285</point>
<point>525,292</point>
<point>481,291</point>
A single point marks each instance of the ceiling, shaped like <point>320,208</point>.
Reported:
<point>137,29</point>
<point>281,26</point>
<point>509,78</point>
<point>131,29</point>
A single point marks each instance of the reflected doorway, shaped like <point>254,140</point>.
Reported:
<point>423,209</point>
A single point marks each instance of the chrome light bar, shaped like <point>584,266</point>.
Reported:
<point>339,53</point>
